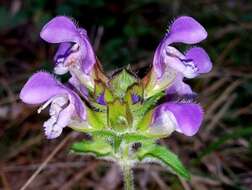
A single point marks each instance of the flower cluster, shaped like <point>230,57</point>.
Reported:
<point>91,101</point>
<point>121,110</point>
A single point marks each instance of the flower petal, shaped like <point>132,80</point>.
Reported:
<point>163,124</point>
<point>52,131</point>
<point>89,58</point>
<point>62,50</point>
<point>200,59</point>
<point>179,87</point>
<point>188,116</point>
<point>66,115</point>
<point>187,30</point>
<point>78,104</point>
<point>158,61</point>
<point>75,85</point>
<point>39,88</point>
<point>60,29</point>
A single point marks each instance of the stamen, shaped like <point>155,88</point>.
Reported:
<point>56,100</point>
<point>44,105</point>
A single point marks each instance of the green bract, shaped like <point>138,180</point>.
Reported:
<point>120,122</point>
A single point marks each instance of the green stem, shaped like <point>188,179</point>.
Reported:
<point>117,143</point>
<point>128,177</point>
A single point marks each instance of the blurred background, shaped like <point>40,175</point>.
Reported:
<point>128,32</point>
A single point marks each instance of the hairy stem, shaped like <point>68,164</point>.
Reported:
<point>128,177</point>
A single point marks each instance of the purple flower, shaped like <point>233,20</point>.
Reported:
<point>185,118</point>
<point>194,62</point>
<point>65,104</point>
<point>75,53</point>
<point>74,49</point>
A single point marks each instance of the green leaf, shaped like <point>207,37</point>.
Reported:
<point>165,156</point>
<point>120,83</point>
<point>98,147</point>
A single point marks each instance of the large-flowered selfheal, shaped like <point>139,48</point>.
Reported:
<point>75,53</point>
<point>66,106</point>
<point>185,118</point>
<point>194,62</point>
